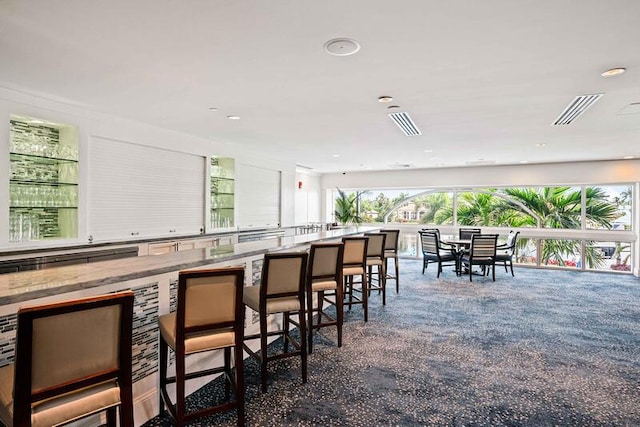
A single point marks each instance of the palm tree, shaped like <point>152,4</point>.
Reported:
<point>561,207</point>
<point>346,207</point>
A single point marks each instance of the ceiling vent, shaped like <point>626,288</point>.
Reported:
<point>405,123</point>
<point>576,107</point>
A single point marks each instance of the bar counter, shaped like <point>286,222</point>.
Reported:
<point>29,285</point>
<point>153,280</point>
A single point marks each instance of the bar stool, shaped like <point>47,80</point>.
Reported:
<point>354,263</point>
<point>73,360</point>
<point>281,290</point>
<point>391,252</point>
<point>375,258</point>
<point>325,280</point>
<point>209,316</point>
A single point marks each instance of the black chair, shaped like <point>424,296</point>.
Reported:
<point>481,252</point>
<point>433,251</point>
<point>467,233</point>
<point>507,251</point>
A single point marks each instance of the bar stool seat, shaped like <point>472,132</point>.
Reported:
<point>196,342</point>
<point>251,299</point>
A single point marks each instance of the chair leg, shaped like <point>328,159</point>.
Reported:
<point>493,271</point>
<point>395,261</point>
<point>339,313</point>
<point>180,390</point>
<point>383,283</point>
<point>238,359</point>
<point>263,351</point>
<point>310,319</point>
<point>470,272</point>
<point>511,265</point>
<point>303,348</point>
<point>111,416</point>
<point>365,299</point>
<point>285,329</point>
<point>163,373</point>
<point>439,270</point>
<point>227,370</point>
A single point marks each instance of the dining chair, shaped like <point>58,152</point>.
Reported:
<point>73,360</point>
<point>281,290</point>
<point>324,281</point>
<point>354,264</point>
<point>482,252</point>
<point>375,259</point>
<point>209,316</point>
<point>433,251</point>
<point>466,233</point>
<point>507,251</point>
<point>391,252</point>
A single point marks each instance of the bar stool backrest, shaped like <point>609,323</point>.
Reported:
<point>283,274</point>
<point>207,300</point>
<point>325,261</point>
<point>65,347</point>
<point>355,251</point>
<point>391,242</point>
<point>376,245</point>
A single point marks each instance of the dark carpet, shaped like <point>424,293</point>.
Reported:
<point>543,348</point>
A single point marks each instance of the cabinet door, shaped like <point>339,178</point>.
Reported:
<point>186,245</point>
<point>162,248</point>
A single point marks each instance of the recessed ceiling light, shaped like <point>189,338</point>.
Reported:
<point>341,47</point>
<point>613,72</point>
<point>213,109</point>
<point>393,107</point>
<point>524,161</point>
<point>233,117</point>
<point>385,98</point>
<point>428,151</point>
<point>540,144</point>
<point>628,157</point>
<point>335,155</point>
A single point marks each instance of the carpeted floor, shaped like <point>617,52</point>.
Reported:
<point>543,348</point>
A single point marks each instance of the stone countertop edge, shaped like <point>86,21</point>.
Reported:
<point>30,285</point>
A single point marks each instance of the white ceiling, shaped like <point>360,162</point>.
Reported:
<point>483,80</point>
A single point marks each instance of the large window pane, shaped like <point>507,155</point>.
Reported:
<point>608,207</point>
<point>560,253</point>
<point>435,208</point>
<point>526,252</point>
<point>614,256</point>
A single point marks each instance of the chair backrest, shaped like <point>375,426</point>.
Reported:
<point>376,245</point>
<point>431,230</point>
<point>325,261</point>
<point>391,242</point>
<point>512,239</point>
<point>64,347</point>
<point>355,251</point>
<point>467,233</point>
<point>430,242</point>
<point>283,275</point>
<point>208,300</point>
<point>483,245</point>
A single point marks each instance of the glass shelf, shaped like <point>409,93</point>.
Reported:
<point>43,180</point>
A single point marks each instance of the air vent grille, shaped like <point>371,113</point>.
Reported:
<point>404,122</point>
<point>576,107</point>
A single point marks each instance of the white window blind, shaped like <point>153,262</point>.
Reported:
<point>136,190</point>
<point>258,197</point>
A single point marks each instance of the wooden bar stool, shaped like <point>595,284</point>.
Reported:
<point>354,263</point>
<point>73,360</point>
<point>281,290</point>
<point>325,280</point>
<point>391,252</point>
<point>209,316</point>
<point>375,258</point>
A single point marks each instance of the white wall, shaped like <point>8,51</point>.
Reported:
<point>307,198</point>
<point>97,125</point>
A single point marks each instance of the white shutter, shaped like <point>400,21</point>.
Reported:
<point>141,191</point>
<point>258,197</point>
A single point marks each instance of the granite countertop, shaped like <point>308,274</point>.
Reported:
<point>28,285</point>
